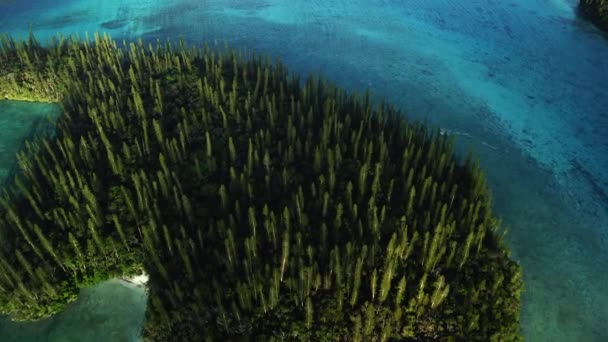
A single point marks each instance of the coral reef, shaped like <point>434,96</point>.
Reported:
<point>262,207</point>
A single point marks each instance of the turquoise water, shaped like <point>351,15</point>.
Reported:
<point>110,311</point>
<point>18,121</point>
<point>523,81</point>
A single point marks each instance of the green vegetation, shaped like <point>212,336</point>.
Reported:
<point>263,209</point>
<point>596,11</point>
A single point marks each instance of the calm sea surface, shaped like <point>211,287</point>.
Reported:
<point>523,82</point>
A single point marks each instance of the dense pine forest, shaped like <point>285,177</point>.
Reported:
<point>262,206</point>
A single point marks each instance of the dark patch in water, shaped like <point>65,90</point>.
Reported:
<point>597,188</point>
<point>508,30</point>
<point>528,142</point>
<point>114,24</point>
<point>250,5</point>
<point>58,22</point>
<point>566,316</point>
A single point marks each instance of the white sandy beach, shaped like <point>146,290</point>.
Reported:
<point>136,281</point>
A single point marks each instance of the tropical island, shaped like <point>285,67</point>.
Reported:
<point>596,11</point>
<point>262,207</point>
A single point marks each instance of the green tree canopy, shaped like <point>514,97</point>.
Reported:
<point>262,207</point>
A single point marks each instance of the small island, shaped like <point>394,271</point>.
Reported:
<point>596,11</point>
<point>256,206</point>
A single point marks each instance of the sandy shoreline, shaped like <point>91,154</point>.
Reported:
<point>136,281</point>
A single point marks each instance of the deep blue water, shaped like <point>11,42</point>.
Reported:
<point>525,82</point>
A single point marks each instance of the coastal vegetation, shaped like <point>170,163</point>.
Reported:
<point>262,207</point>
<point>596,11</point>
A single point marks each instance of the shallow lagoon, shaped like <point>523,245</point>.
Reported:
<point>111,311</point>
<point>18,121</point>
<point>523,82</point>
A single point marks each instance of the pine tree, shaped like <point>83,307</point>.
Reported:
<point>47,245</point>
<point>309,313</point>
<point>77,250</point>
<point>356,281</point>
<point>284,252</point>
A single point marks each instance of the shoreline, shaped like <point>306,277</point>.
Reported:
<point>138,281</point>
